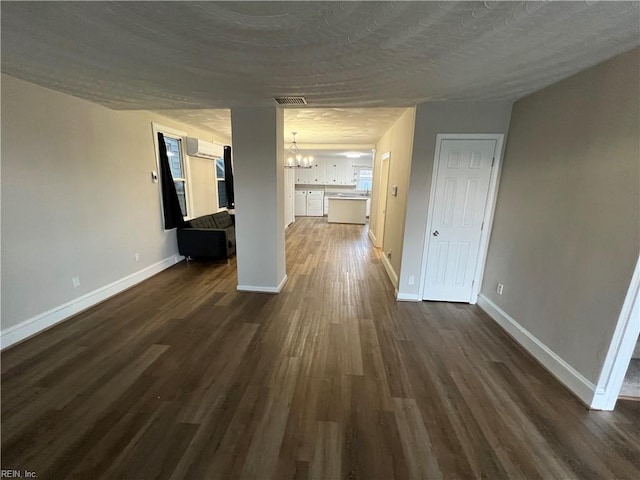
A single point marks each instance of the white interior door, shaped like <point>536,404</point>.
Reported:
<point>463,174</point>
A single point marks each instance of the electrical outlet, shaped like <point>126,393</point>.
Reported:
<point>500,288</point>
<point>136,256</point>
<point>412,279</point>
<point>75,281</point>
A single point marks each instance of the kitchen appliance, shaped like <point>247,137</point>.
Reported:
<point>315,203</point>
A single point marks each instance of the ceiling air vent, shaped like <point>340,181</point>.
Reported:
<point>290,100</point>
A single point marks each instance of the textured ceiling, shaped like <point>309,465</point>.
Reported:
<point>339,125</point>
<point>195,55</point>
<point>218,121</point>
<point>363,126</point>
<point>192,61</point>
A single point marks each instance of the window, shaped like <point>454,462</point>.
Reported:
<point>365,178</point>
<point>174,140</point>
<point>222,186</point>
<point>176,162</point>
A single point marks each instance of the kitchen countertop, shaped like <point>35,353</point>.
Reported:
<point>336,197</point>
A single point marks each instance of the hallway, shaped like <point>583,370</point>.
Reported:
<point>183,377</point>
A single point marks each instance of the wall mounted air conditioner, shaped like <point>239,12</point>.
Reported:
<point>202,149</point>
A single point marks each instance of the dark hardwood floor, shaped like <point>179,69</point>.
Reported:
<point>182,377</point>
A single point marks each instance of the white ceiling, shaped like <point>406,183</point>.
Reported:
<point>316,126</point>
<point>182,56</point>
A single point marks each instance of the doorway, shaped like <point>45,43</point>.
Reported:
<point>622,350</point>
<point>631,384</point>
<point>463,192</point>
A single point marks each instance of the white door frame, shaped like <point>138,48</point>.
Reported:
<point>488,211</point>
<point>289,199</point>
<point>384,181</point>
<point>621,348</point>
<point>380,176</point>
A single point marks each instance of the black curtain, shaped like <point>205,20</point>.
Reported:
<point>228,178</point>
<point>170,203</point>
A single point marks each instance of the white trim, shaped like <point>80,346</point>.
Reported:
<point>383,201</point>
<point>408,297</point>
<point>393,276</point>
<point>621,348</point>
<point>48,319</point>
<point>489,210</point>
<point>372,237</point>
<point>258,289</point>
<point>565,373</point>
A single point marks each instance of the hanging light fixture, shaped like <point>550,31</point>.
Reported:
<point>294,159</point>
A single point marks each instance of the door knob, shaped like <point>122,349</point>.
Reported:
<point>436,233</point>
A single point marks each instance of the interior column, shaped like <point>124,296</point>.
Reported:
<point>257,148</point>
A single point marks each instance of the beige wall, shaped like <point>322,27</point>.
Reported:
<point>398,140</point>
<point>77,197</point>
<point>431,119</point>
<point>566,233</point>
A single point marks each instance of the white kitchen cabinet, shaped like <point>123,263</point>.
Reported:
<point>300,203</point>
<point>317,174</point>
<point>337,173</point>
<point>302,176</point>
<point>328,172</point>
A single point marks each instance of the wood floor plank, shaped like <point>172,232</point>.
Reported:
<point>262,456</point>
<point>183,377</point>
<point>416,443</point>
<point>327,455</point>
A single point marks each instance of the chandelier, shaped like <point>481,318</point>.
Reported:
<point>294,159</point>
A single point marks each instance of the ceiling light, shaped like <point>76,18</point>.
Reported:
<point>294,159</point>
<point>353,155</point>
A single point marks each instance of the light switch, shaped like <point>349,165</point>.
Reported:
<point>154,177</point>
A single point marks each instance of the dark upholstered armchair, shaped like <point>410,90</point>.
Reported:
<point>208,236</point>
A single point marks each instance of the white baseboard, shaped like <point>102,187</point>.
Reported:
<point>372,237</point>
<point>408,297</point>
<point>257,289</point>
<point>565,373</point>
<point>48,319</point>
<point>392,274</point>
